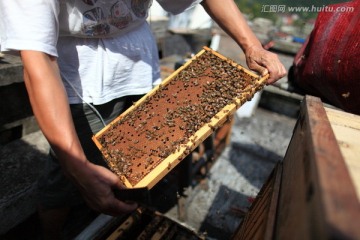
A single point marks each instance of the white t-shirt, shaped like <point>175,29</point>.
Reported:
<point>105,49</point>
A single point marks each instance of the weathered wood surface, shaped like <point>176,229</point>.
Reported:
<point>346,128</point>
<point>317,196</point>
<point>259,222</point>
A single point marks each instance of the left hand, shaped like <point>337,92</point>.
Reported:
<point>96,184</point>
<point>264,62</point>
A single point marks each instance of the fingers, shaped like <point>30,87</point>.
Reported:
<point>264,72</point>
<point>276,69</point>
<point>114,206</point>
<point>258,68</point>
<point>265,62</point>
<point>110,205</point>
<point>117,207</point>
<point>97,187</point>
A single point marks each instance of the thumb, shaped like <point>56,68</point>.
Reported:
<point>255,66</point>
<point>118,184</point>
<point>260,69</point>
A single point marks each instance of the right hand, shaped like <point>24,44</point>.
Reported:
<point>265,62</point>
<point>96,183</point>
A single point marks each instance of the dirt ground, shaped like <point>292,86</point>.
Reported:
<point>214,207</point>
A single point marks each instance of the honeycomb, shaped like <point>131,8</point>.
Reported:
<point>149,139</point>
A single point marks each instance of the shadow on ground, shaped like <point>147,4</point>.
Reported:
<point>253,165</point>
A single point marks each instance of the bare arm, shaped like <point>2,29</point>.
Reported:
<point>51,109</point>
<point>230,19</point>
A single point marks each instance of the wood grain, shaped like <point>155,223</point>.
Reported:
<point>346,128</point>
<point>317,197</point>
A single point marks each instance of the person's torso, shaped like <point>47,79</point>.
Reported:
<point>101,18</point>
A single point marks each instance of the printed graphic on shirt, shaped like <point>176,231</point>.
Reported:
<point>98,20</point>
<point>94,22</point>
<point>90,2</point>
<point>120,15</point>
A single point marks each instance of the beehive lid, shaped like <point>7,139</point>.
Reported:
<point>151,137</point>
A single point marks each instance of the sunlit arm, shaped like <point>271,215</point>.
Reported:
<point>228,16</point>
<point>51,108</point>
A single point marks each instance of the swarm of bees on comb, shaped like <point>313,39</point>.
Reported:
<point>173,119</point>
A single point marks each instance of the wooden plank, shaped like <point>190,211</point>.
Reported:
<point>338,195</point>
<point>342,118</point>
<point>259,222</point>
<point>126,225</point>
<point>346,128</point>
<point>317,198</point>
<point>274,199</point>
<point>222,137</point>
<point>291,222</point>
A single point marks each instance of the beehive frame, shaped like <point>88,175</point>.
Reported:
<point>164,165</point>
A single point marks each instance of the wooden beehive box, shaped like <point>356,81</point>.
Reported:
<point>147,224</point>
<point>149,139</point>
<point>314,193</point>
